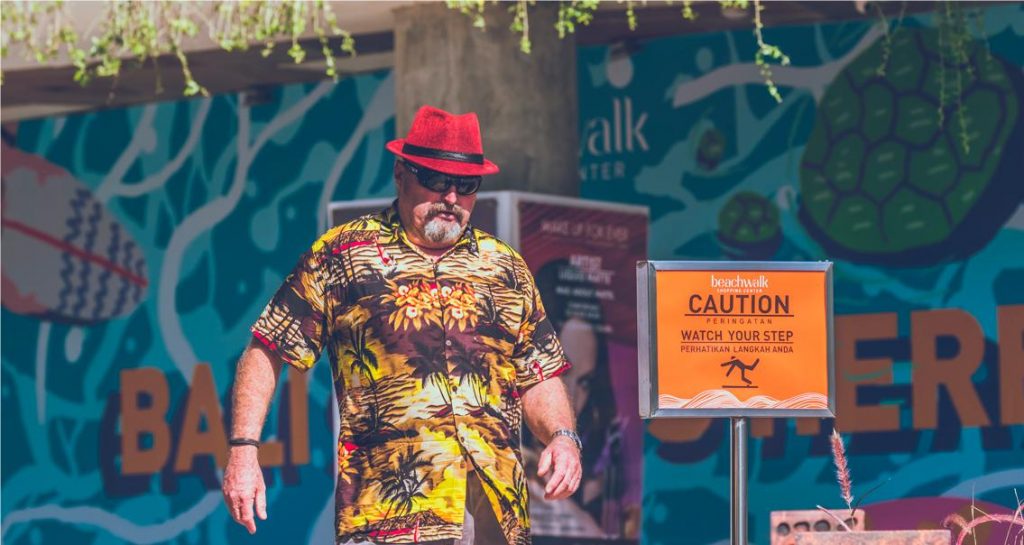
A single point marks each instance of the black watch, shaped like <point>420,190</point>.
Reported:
<point>571,435</point>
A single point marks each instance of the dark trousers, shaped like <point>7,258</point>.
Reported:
<point>481,526</point>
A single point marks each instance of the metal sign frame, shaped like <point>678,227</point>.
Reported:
<point>647,336</point>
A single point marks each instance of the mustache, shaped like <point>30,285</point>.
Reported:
<point>440,208</point>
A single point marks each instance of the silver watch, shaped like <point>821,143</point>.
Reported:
<point>571,435</point>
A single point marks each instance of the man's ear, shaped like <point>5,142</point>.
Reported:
<point>397,171</point>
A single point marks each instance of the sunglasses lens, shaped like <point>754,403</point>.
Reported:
<point>434,181</point>
<point>439,182</point>
<point>468,186</point>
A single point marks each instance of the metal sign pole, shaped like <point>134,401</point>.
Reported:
<point>675,300</point>
<point>738,450</point>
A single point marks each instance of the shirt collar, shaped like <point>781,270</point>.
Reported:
<point>392,231</point>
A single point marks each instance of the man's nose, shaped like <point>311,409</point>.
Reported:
<point>450,196</point>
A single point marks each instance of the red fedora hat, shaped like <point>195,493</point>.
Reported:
<point>444,142</point>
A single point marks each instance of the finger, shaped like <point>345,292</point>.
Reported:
<point>246,513</point>
<point>558,476</point>
<point>561,490</point>
<point>261,499</point>
<point>560,494</point>
<point>567,488</point>
<point>232,502</point>
<point>576,483</point>
<point>545,463</point>
<point>227,490</point>
<point>571,480</point>
<point>235,508</point>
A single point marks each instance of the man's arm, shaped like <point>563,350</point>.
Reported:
<point>255,382</point>
<point>547,409</point>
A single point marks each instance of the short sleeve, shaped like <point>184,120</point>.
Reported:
<point>293,324</point>
<point>538,355</point>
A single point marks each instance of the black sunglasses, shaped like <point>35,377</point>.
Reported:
<point>439,182</point>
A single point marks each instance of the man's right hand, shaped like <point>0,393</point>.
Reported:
<point>243,485</point>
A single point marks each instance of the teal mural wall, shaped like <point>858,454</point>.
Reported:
<point>139,244</point>
<point>854,166</point>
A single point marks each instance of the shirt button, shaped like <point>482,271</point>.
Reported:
<point>448,342</point>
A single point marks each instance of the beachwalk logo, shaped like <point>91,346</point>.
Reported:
<point>619,133</point>
<point>761,282</point>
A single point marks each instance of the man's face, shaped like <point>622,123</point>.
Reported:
<point>580,345</point>
<point>431,219</point>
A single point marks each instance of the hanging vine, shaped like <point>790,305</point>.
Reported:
<point>766,51</point>
<point>688,12</point>
<point>955,69</point>
<point>573,13</point>
<point>474,9</point>
<point>889,32</point>
<point>521,23</point>
<point>630,15</point>
<point>136,32</point>
<point>570,14</point>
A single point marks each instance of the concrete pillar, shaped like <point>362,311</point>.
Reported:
<point>527,104</point>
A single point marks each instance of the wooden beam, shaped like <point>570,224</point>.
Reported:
<point>27,93</point>
<point>43,91</point>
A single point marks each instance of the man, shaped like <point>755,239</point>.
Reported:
<point>440,347</point>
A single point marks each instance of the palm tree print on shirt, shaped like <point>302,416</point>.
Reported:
<point>471,368</point>
<point>430,367</point>
<point>401,484</point>
<point>362,359</point>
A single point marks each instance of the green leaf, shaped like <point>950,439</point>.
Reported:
<point>192,88</point>
<point>297,53</point>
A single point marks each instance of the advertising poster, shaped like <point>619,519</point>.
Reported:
<point>752,340</point>
<point>584,257</point>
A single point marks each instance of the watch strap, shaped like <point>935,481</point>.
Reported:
<point>571,435</point>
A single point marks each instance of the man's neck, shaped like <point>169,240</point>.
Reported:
<point>428,250</point>
<point>435,253</point>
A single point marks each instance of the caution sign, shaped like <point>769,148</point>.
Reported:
<point>735,339</point>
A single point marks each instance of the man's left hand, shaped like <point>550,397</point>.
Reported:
<point>560,463</point>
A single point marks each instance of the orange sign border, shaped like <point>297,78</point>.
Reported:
<point>647,336</point>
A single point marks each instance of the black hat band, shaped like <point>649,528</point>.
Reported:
<point>432,153</point>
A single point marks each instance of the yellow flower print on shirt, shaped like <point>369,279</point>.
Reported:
<point>416,303</point>
<point>460,311</point>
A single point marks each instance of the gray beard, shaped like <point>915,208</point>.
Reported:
<point>442,232</point>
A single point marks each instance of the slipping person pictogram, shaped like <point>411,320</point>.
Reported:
<point>736,363</point>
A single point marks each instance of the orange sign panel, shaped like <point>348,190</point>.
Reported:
<point>748,341</point>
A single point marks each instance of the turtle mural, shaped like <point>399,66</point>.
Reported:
<point>710,149</point>
<point>882,183</point>
<point>748,227</point>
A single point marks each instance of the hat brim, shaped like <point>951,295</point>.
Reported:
<point>455,168</point>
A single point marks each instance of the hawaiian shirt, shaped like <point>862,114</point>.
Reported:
<point>430,359</point>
